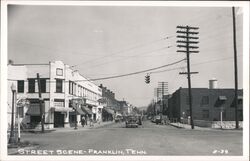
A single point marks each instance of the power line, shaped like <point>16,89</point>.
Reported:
<point>163,48</point>
<point>155,72</point>
<point>125,50</point>
<point>195,64</point>
<point>123,75</point>
<point>143,71</point>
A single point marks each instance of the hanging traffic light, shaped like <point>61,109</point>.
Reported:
<point>147,78</point>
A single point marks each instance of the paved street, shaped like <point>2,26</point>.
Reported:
<point>149,139</point>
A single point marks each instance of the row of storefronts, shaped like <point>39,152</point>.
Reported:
<point>60,85</point>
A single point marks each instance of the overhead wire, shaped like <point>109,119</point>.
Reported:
<point>122,59</point>
<point>125,50</point>
<point>128,74</point>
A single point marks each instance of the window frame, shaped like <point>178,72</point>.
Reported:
<point>59,71</point>
<point>20,87</point>
<point>205,100</point>
<point>57,87</point>
<point>43,85</point>
<point>30,85</point>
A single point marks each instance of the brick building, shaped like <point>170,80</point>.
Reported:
<point>207,104</point>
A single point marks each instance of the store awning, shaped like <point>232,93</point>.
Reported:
<point>34,110</point>
<point>79,111</point>
<point>109,111</point>
<point>62,109</point>
<point>87,110</point>
<point>222,98</point>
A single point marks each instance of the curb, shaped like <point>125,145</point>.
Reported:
<point>179,127</point>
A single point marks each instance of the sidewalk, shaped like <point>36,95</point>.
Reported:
<point>26,145</point>
<point>187,126</point>
<point>70,129</point>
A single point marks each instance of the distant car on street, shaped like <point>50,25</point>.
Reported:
<point>132,121</point>
<point>158,119</point>
<point>118,118</point>
<point>153,119</point>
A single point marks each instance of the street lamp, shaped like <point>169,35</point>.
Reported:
<point>20,103</point>
<point>12,138</point>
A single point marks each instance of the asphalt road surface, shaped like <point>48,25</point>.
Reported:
<point>148,139</point>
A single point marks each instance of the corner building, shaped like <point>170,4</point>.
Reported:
<point>59,85</point>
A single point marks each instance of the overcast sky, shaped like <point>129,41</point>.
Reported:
<point>105,41</point>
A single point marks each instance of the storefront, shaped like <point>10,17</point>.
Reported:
<point>58,119</point>
<point>76,116</point>
<point>107,114</point>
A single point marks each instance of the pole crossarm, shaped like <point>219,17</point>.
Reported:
<point>187,27</point>
<point>187,46</point>
<point>184,32</point>
<point>189,72</point>
<point>185,37</point>
<point>184,51</point>
<point>189,42</point>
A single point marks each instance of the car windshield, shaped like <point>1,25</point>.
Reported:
<point>131,118</point>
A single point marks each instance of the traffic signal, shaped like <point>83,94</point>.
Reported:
<point>147,79</point>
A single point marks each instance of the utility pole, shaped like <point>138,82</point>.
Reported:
<point>40,102</point>
<point>235,72</point>
<point>185,33</point>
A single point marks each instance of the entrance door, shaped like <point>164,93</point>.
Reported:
<point>58,119</point>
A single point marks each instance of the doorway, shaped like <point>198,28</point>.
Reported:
<point>58,119</point>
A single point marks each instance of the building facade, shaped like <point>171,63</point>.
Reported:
<point>60,85</point>
<point>207,104</point>
<point>110,104</point>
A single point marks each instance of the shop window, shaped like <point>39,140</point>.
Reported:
<point>31,85</point>
<point>20,86</point>
<point>59,102</point>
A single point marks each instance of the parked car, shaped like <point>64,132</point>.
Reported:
<point>153,119</point>
<point>158,119</point>
<point>132,121</point>
<point>118,118</point>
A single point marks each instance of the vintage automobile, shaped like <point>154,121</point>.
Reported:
<point>118,118</point>
<point>158,119</point>
<point>131,121</point>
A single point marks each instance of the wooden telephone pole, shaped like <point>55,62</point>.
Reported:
<point>40,102</point>
<point>235,72</point>
<point>186,43</point>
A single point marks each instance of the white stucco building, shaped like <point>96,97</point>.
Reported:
<point>59,85</point>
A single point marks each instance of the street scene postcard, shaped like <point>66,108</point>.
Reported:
<point>106,80</point>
